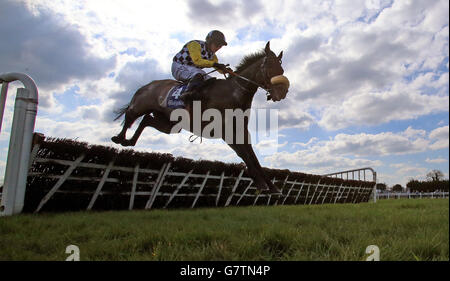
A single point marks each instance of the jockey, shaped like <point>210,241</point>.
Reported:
<point>196,54</point>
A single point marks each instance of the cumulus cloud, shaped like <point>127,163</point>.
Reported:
<point>379,144</point>
<point>401,173</point>
<point>316,161</point>
<point>209,13</point>
<point>46,47</point>
<point>436,160</point>
<point>131,77</point>
<point>224,13</point>
<point>345,151</point>
<point>363,70</point>
<point>409,141</point>
<point>294,119</point>
<point>401,103</point>
<point>440,138</point>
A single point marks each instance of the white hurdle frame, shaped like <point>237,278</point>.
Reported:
<point>293,188</point>
<point>18,160</point>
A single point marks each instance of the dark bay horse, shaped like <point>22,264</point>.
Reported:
<point>261,68</point>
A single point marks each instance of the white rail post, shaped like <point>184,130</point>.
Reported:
<point>220,188</point>
<point>245,191</point>
<point>25,110</point>
<point>159,181</point>
<point>299,191</point>
<point>100,184</point>
<point>60,182</point>
<point>200,190</point>
<point>133,187</point>
<point>178,188</point>
<point>374,187</point>
<point>234,188</point>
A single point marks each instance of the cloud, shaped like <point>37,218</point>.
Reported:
<point>47,47</point>
<point>89,112</point>
<point>294,119</point>
<point>374,64</point>
<point>401,103</point>
<point>345,151</point>
<point>401,173</point>
<point>140,72</point>
<point>436,160</point>
<point>131,77</point>
<point>316,161</point>
<point>204,11</point>
<point>301,48</point>
<point>409,141</point>
<point>379,144</point>
<point>225,13</point>
<point>312,140</point>
<point>408,170</point>
<point>410,132</point>
<point>440,136</point>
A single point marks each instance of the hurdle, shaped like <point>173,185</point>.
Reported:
<point>25,110</point>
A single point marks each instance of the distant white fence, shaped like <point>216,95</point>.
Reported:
<point>411,195</point>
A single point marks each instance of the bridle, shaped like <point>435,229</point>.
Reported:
<point>266,86</point>
<point>264,73</point>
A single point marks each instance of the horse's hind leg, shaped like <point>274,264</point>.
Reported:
<point>157,121</point>
<point>130,117</point>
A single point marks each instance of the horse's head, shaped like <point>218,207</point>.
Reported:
<point>273,75</point>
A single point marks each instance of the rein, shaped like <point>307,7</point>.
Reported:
<point>250,81</point>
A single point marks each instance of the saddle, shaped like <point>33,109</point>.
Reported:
<point>173,96</point>
<point>173,100</point>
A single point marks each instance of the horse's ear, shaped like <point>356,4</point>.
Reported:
<point>280,55</point>
<point>267,49</point>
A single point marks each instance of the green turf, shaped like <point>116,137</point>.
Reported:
<point>406,229</point>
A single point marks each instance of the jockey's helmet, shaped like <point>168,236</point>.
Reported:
<point>215,36</point>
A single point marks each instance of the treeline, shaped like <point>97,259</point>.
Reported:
<point>427,186</point>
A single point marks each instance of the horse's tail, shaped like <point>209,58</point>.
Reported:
<point>121,111</point>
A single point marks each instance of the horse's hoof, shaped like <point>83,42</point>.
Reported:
<point>128,143</point>
<point>117,140</point>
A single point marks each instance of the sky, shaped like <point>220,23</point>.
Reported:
<point>369,78</point>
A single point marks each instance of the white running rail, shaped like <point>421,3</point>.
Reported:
<point>356,175</point>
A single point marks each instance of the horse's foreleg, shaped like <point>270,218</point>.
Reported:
<point>273,189</point>
<point>245,151</point>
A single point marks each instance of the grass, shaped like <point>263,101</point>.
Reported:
<point>405,229</point>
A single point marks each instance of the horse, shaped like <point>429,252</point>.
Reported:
<point>261,69</point>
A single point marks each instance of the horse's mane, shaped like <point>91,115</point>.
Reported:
<point>249,60</point>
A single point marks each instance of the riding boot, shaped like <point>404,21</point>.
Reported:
<point>190,92</point>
